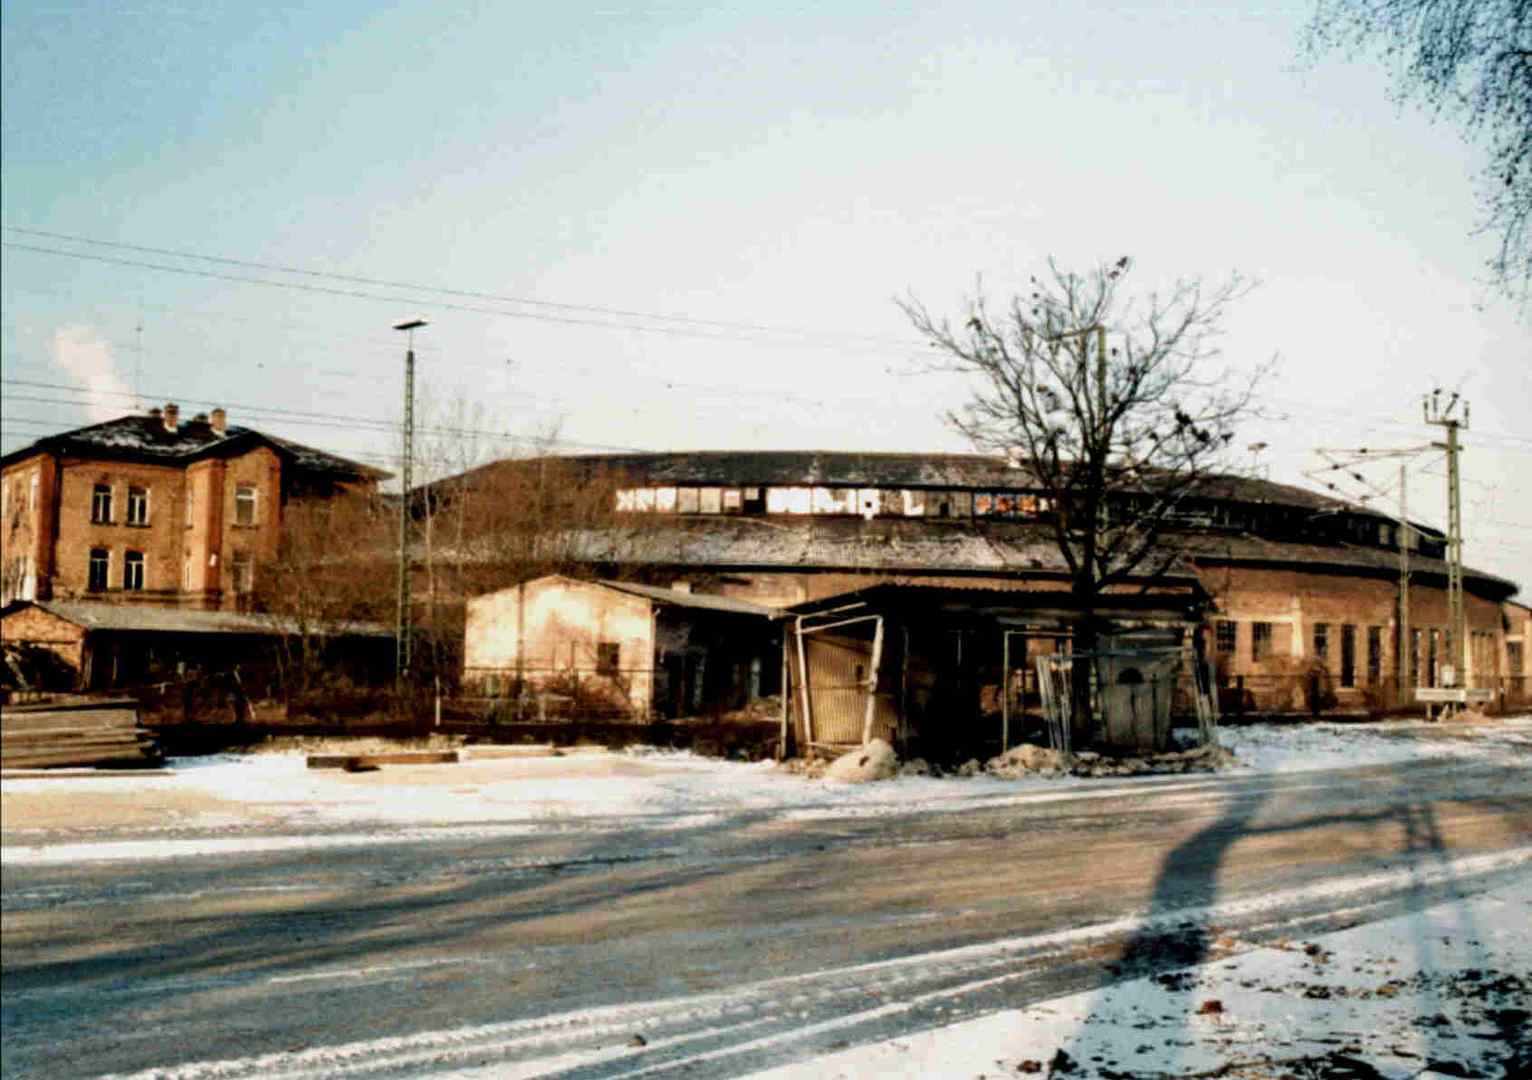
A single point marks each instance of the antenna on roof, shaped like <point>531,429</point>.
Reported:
<point>138,361</point>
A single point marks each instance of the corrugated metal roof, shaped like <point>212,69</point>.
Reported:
<point>96,615</point>
<point>694,600</point>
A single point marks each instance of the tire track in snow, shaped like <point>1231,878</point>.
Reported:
<point>748,1027</point>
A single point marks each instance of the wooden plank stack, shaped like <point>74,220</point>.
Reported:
<point>75,731</point>
<point>357,762</point>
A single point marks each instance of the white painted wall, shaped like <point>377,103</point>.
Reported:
<point>555,624</point>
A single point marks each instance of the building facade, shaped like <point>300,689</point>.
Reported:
<point>1304,590</point>
<point>155,509</point>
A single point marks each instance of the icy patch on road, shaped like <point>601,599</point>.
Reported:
<point>1445,988</point>
<point>1489,929</point>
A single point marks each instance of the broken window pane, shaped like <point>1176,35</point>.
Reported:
<point>787,500</point>
<point>731,501</point>
<point>665,500</point>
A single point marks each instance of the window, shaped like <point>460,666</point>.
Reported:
<point>1322,641</point>
<point>1348,655</point>
<point>100,565</point>
<point>607,654</point>
<point>1414,657</point>
<point>186,573</point>
<point>138,506</point>
<point>241,572</point>
<point>244,504</point>
<point>101,504</point>
<point>1513,660</point>
<point>1226,636</point>
<point>1260,640</point>
<point>687,500</point>
<point>133,570</point>
<point>1374,655</point>
<point>190,501</point>
<point>1431,659</point>
<point>32,492</point>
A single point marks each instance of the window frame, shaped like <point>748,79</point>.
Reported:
<point>1262,640</point>
<point>1225,628</point>
<point>137,513</point>
<point>135,574</point>
<point>101,499</point>
<point>103,581</point>
<point>241,502</point>
<point>241,573</point>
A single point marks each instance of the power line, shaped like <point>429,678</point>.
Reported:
<point>686,325</point>
<point>331,421</point>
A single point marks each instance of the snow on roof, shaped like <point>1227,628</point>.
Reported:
<point>694,600</point>
<point>97,615</point>
<point>144,436</point>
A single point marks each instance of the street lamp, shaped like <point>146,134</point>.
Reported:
<point>402,619</point>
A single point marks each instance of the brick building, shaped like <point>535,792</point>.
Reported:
<point>1303,589</point>
<point>155,509</point>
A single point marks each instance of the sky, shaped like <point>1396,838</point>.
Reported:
<point>685,227</point>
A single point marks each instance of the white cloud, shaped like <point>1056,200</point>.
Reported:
<point>83,355</point>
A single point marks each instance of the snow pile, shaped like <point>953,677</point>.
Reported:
<point>1444,991</point>
<point>1323,745</point>
<point>875,761</point>
<point>1040,761</point>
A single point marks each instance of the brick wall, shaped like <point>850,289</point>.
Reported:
<point>186,556</point>
<point>44,631</point>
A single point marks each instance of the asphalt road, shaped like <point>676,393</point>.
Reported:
<point>724,949</point>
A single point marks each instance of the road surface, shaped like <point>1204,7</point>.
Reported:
<point>718,950</point>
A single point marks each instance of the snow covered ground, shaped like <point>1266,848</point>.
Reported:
<point>1440,992</point>
<point>272,801</point>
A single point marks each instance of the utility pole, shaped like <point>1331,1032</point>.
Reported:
<point>1446,417</point>
<point>402,624</point>
<point>1406,646</point>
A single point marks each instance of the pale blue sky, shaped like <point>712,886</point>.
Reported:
<point>791,166</point>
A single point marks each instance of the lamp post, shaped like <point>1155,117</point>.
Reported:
<point>402,619</point>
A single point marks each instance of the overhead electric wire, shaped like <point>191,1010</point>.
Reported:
<point>333,421</point>
<point>686,326</point>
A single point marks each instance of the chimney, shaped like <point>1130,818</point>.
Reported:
<point>172,416</point>
<point>220,421</point>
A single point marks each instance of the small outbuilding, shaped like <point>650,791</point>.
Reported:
<point>629,649</point>
<point>949,672</point>
<point>91,645</point>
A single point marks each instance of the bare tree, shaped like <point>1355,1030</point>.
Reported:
<point>1111,405</point>
<point>330,573</point>
<point>1471,59</point>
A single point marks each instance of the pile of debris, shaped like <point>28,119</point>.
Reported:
<point>76,731</point>
<point>878,761</point>
<point>1041,761</point>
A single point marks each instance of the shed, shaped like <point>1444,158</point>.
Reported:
<point>950,672</point>
<point>621,647</point>
<point>106,646</point>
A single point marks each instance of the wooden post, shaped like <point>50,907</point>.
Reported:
<point>904,695</point>
<point>783,691</point>
<point>1005,690</point>
<point>872,682</point>
<point>803,688</point>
